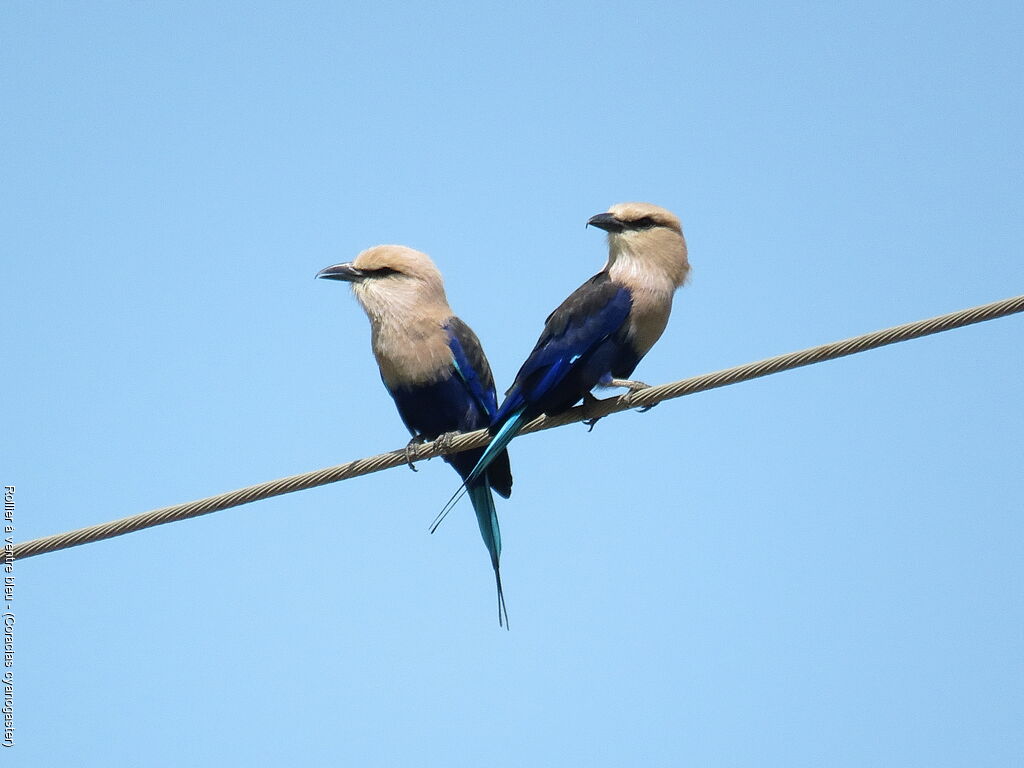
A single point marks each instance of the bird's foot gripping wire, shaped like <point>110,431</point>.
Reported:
<point>632,386</point>
<point>589,401</point>
<point>444,441</point>
<point>417,440</point>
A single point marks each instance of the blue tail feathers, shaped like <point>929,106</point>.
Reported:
<point>500,441</point>
<point>487,518</point>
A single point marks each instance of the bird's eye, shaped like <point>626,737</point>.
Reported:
<point>645,223</point>
<point>383,272</point>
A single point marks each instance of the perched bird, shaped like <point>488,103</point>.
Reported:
<point>601,332</point>
<point>433,367</point>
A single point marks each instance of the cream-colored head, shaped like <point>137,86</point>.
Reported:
<point>393,281</point>
<point>645,238</point>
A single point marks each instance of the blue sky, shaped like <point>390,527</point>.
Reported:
<point>819,568</point>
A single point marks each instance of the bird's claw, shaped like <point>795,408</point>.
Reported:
<point>630,384</point>
<point>634,387</point>
<point>443,442</point>
<point>588,402</point>
<point>409,450</point>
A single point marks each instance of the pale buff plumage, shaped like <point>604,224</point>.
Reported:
<point>652,263</point>
<point>408,311</point>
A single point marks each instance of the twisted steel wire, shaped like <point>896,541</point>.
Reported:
<point>598,409</point>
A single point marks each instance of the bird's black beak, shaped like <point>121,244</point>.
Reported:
<point>607,222</point>
<point>345,272</point>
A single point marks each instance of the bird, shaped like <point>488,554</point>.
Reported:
<point>599,334</point>
<point>434,368</point>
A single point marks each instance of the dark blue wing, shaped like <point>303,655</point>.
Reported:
<point>471,365</point>
<point>473,369</point>
<point>579,342</point>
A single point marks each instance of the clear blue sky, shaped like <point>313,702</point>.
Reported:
<point>822,568</point>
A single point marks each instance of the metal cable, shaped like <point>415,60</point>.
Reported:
<point>597,409</point>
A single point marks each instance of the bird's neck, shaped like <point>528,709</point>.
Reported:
<point>651,290</point>
<point>410,349</point>
<point>654,257</point>
<point>641,275</point>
